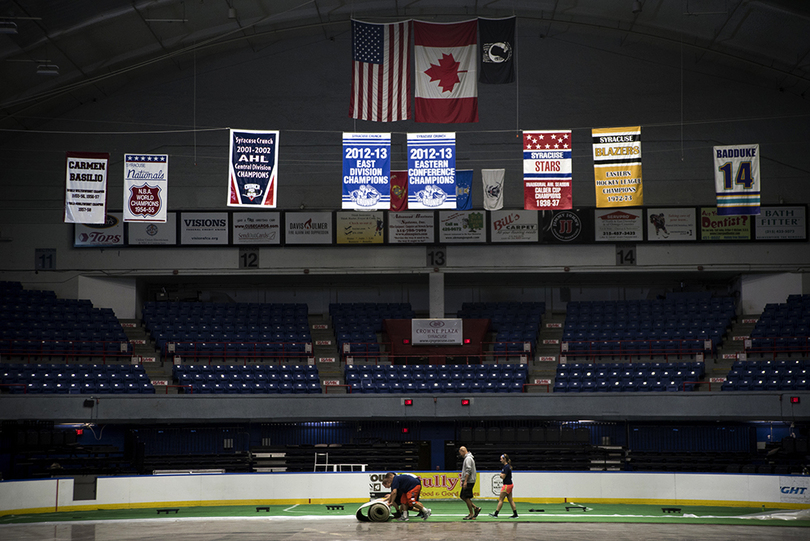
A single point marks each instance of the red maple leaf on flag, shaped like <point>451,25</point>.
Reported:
<point>446,72</point>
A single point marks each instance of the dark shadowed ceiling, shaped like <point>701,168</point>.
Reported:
<point>97,47</point>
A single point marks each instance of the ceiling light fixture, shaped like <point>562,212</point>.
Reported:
<point>8,27</point>
<point>47,69</point>
<point>637,6</point>
<point>231,13</point>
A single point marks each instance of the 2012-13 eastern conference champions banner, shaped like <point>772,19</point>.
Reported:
<point>431,171</point>
<point>146,178</point>
<point>366,171</point>
<point>736,179</point>
<point>253,169</point>
<point>617,166</point>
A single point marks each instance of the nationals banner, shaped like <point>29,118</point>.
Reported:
<point>431,171</point>
<point>253,169</point>
<point>617,167</point>
<point>547,170</point>
<point>86,187</point>
<point>446,64</point>
<point>366,171</point>
<point>146,178</point>
<point>736,179</point>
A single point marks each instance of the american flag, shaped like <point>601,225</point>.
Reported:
<point>381,71</point>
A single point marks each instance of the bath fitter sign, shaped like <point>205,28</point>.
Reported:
<point>436,332</point>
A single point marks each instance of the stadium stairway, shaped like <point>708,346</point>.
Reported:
<point>729,350</point>
<point>544,365</point>
<point>325,351</point>
<point>159,372</point>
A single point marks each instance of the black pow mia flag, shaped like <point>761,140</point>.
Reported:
<point>497,47</point>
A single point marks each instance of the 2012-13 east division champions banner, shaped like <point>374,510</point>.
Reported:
<point>145,187</point>
<point>366,171</point>
<point>617,166</point>
<point>253,169</point>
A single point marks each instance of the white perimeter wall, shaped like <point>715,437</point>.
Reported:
<point>289,488</point>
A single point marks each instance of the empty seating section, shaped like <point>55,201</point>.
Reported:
<point>35,325</point>
<point>356,325</point>
<point>671,327</point>
<point>515,324</point>
<point>626,377</point>
<point>769,375</point>
<point>783,328</point>
<point>75,379</point>
<point>457,378</point>
<point>257,379</point>
<point>205,331</point>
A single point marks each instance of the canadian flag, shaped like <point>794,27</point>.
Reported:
<point>446,77</point>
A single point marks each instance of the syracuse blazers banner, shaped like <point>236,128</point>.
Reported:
<point>366,171</point>
<point>546,170</point>
<point>145,187</point>
<point>253,169</point>
<point>446,65</point>
<point>736,179</point>
<point>617,167</point>
<point>86,187</point>
<point>431,171</point>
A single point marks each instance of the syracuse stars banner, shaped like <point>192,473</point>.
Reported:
<point>547,170</point>
<point>617,166</point>
<point>366,171</point>
<point>86,187</point>
<point>145,187</point>
<point>253,169</point>
<point>431,171</point>
<point>736,179</point>
<point>446,65</point>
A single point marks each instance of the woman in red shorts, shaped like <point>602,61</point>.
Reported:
<point>506,489</point>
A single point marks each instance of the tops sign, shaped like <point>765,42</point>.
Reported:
<point>432,332</point>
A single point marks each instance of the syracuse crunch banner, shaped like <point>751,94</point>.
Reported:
<point>86,187</point>
<point>546,170</point>
<point>253,169</point>
<point>617,166</point>
<point>431,171</point>
<point>145,187</point>
<point>366,171</point>
<point>736,179</point>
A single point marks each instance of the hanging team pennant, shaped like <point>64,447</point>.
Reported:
<point>464,189</point>
<point>736,179</point>
<point>253,169</point>
<point>366,171</point>
<point>547,170</point>
<point>86,187</point>
<point>431,171</point>
<point>399,191</point>
<point>493,188</point>
<point>497,50</point>
<point>617,166</point>
<point>146,178</point>
<point>446,64</point>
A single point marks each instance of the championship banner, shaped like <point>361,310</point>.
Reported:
<point>547,170</point>
<point>253,169</point>
<point>736,179</point>
<point>366,171</point>
<point>86,187</point>
<point>146,178</point>
<point>431,171</point>
<point>617,167</point>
